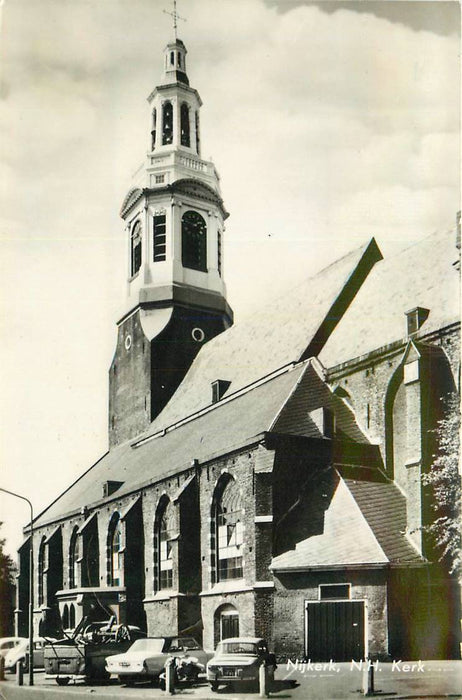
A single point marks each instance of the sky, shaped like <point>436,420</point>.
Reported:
<point>329,122</point>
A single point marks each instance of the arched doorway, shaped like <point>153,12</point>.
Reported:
<point>225,623</point>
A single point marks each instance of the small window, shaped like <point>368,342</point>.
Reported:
<point>172,58</point>
<point>135,243</point>
<point>160,179</point>
<point>159,238</point>
<point>179,59</point>
<point>334,591</point>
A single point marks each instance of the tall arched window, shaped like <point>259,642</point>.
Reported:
<point>167,123</point>
<point>184,118</point>
<point>41,571</point>
<point>74,559</point>
<point>136,250</point>
<point>227,531</point>
<point>153,129</point>
<point>194,241</point>
<point>165,534</point>
<point>115,551</point>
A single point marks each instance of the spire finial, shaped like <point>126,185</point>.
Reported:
<point>175,16</point>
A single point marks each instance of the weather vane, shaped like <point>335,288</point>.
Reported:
<point>176,17</point>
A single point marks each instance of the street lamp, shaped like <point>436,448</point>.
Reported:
<point>31,585</point>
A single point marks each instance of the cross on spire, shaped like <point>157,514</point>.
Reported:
<point>175,17</point>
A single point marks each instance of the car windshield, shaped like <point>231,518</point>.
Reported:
<point>181,643</point>
<point>237,648</point>
<point>154,646</point>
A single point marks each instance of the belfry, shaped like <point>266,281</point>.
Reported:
<point>174,221</point>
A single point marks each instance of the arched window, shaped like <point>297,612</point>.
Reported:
<point>165,534</point>
<point>41,572</point>
<point>71,616</point>
<point>65,619</point>
<point>184,117</point>
<point>194,241</point>
<point>115,551</point>
<point>227,531</point>
<point>135,245</point>
<point>153,129</point>
<point>74,559</point>
<point>167,123</point>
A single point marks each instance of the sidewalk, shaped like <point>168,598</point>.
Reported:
<point>398,681</point>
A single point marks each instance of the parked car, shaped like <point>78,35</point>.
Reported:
<point>7,643</point>
<point>146,658</point>
<point>21,653</point>
<point>238,660</point>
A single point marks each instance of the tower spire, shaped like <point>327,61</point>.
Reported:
<point>175,16</point>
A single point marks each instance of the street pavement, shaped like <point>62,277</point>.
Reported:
<point>310,681</point>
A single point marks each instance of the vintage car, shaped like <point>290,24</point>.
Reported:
<point>146,658</point>
<point>20,652</point>
<point>7,643</point>
<point>238,660</point>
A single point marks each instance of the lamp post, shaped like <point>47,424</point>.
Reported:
<point>31,585</point>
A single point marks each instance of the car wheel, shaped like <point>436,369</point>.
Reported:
<point>62,681</point>
<point>214,686</point>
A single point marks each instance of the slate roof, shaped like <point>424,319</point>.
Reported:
<point>346,540</point>
<point>298,416</point>
<point>364,524</point>
<point>276,335</point>
<point>384,508</point>
<point>422,275</point>
<point>228,425</point>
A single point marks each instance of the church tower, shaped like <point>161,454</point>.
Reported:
<point>174,222</point>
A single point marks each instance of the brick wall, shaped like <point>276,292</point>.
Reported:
<point>292,590</point>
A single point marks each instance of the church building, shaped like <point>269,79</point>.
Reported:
<point>262,478</point>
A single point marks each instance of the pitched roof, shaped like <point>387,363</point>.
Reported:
<point>299,415</point>
<point>422,275</point>
<point>289,329</point>
<point>227,425</point>
<point>384,508</point>
<point>346,540</point>
<point>364,524</point>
